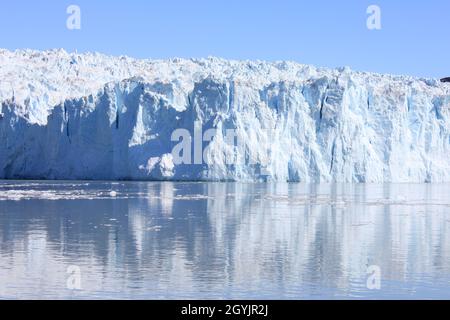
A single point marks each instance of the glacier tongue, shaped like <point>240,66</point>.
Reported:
<point>91,116</point>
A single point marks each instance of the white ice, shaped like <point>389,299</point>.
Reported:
<point>91,116</point>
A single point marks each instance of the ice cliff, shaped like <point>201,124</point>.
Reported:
<point>91,116</point>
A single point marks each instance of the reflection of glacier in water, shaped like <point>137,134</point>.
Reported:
<point>223,240</point>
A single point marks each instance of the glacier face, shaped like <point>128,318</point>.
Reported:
<point>91,116</point>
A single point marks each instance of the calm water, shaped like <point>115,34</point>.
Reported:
<point>223,240</point>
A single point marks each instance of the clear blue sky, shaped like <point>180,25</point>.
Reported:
<point>414,39</point>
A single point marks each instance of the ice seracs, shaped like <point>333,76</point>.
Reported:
<point>92,116</point>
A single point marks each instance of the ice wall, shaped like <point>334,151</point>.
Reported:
<point>90,116</point>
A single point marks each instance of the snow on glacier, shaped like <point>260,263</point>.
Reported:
<point>91,116</point>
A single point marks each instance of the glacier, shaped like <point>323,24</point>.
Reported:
<point>97,117</point>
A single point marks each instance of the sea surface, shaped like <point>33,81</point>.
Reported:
<point>163,240</point>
